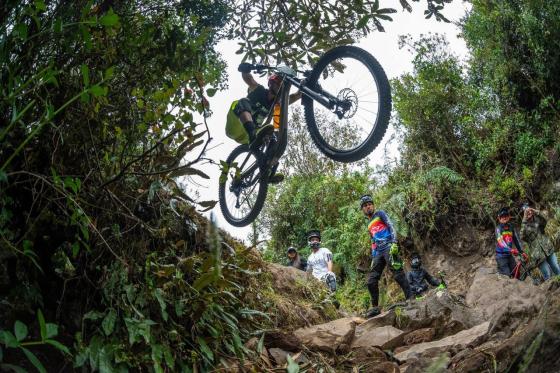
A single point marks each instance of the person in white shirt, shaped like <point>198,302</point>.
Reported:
<point>320,262</point>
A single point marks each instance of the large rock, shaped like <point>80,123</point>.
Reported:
<point>335,336</point>
<point>506,302</point>
<point>534,345</point>
<point>384,367</point>
<point>385,337</point>
<point>419,336</point>
<point>457,341</point>
<point>445,312</point>
<point>287,280</point>
<point>383,319</point>
<point>367,354</point>
<point>426,364</point>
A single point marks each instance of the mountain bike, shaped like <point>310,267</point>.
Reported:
<point>346,90</point>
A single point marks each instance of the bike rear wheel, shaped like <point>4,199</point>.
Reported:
<point>242,190</point>
<point>355,80</point>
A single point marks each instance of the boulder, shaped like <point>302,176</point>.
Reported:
<point>445,312</point>
<point>533,346</point>
<point>385,337</point>
<point>332,337</point>
<point>419,336</point>
<point>287,280</point>
<point>383,319</point>
<point>426,364</point>
<point>506,302</point>
<point>384,367</point>
<point>457,341</point>
<point>367,354</point>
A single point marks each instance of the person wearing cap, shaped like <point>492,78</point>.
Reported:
<point>320,262</point>
<point>540,245</point>
<point>418,278</point>
<point>508,245</point>
<point>384,251</point>
<point>295,260</point>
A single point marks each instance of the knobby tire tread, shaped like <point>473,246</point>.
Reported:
<point>259,202</point>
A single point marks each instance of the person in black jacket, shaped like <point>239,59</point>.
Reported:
<point>295,260</point>
<point>418,276</point>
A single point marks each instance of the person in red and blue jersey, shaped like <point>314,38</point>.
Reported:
<point>508,245</point>
<point>384,250</point>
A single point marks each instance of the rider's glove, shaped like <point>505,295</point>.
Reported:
<point>394,250</point>
<point>514,252</point>
<point>525,256</point>
<point>245,67</point>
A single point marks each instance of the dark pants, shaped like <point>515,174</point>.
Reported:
<point>379,263</point>
<point>506,265</point>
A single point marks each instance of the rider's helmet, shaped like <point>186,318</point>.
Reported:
<point>274,78</point>
<point>504,211</point>
<point>416,261</point>
<point>365,199</point>
<point>292,249</point>
<point>312,234</point>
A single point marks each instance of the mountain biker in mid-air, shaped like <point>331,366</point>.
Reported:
<point>247,115</point>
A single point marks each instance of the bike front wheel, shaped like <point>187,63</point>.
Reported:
<point>242,190</point>
<point>355,84</point>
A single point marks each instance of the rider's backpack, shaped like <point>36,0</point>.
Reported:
<point>234,127</point>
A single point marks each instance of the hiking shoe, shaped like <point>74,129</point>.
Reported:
<point>374,311</point>
<point>276,178</point>
<point>260,134</point>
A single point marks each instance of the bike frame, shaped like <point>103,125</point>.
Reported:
<point>270,157</point>
<point>324,98</point>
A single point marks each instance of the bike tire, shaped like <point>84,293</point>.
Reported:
<point>384,95</point>
<point>254,211</point>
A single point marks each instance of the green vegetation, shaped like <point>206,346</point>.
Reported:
<point>476,135</point>
<point>102,108</point>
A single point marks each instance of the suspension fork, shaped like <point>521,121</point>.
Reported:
<point>324,98</point>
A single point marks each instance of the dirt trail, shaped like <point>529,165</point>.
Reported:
<point>497,324</point>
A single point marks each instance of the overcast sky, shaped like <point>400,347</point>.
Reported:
<point>382,45</point>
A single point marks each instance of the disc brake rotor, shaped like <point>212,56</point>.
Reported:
<point>348,103</point>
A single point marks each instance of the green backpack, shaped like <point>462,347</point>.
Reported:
<point>234,127</point>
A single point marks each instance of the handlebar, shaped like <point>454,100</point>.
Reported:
<point>259,68</point>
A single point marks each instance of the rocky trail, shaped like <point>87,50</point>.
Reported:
<point>496,325</point>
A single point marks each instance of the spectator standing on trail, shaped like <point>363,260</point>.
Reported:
<point>320,262</point>
<point>384,250</point>
<point>542,249</point>
<point>508,245</point>
<point>418,278</point>
<point>295,260</point>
